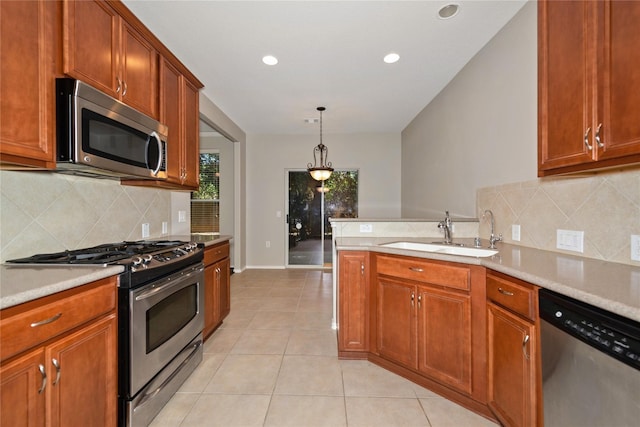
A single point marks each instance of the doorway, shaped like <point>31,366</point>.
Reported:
<point>310,204</point>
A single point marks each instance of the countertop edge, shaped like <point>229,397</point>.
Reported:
<point>80,276</point>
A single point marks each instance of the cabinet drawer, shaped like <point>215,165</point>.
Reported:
<point>216,253</point>
<point>32,323</point>
<point>516,297</point>
<point>425,271</point>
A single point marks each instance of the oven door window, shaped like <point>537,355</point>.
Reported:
<point>110,139</point>
<point>170,315</point>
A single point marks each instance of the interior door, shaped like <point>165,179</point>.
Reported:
<point>310,204</point>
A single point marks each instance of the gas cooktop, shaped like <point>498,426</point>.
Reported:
<point>122,253</point>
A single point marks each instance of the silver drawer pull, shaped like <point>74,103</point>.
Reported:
<point>44,378</point>
<point>598,139</point>
<point>503,292</point>
<point>416,269</point>
<point>56,364</point>
<point>46,321</point>
<point>586,140</point>
<point>524,346</point>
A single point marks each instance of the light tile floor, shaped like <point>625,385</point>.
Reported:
<point>274,363</point>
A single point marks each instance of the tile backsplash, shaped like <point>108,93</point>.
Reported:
<point>606,206</point>
<point>44,212</point>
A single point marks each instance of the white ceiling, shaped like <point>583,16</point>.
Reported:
<point>330,54</point>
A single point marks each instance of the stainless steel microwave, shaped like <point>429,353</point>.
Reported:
<point>100,136</point>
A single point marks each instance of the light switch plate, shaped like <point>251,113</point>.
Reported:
<point>635,247</point>
<point>182,216</point>
<point>570,240</point>
<point>515,232</point>
<point>145,230</point>
<point>366,228</point>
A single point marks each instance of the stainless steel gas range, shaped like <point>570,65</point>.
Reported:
<point>160,318</point>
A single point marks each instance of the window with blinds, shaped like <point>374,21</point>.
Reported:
<point>205,203</point>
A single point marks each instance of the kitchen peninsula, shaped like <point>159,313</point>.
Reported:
<point>453,323</point>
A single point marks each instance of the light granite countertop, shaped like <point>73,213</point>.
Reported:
<point>607,285</point>
<point>206,239</point>
<point>20,284</point>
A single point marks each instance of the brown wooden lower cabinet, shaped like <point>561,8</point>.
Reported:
<point>514,384</point>
<point>353,294</point>
<point>427,329</point>
<point>444,337</point>
<point>466,333</point>
<point>68,377</point>
<point>396,322</point>
<point>217,300</point>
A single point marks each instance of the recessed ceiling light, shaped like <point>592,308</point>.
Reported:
<point>270,60</point>
<point>391,58</point>
<point>448,11</point>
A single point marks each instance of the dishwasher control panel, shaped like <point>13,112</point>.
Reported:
<point>608,332</point>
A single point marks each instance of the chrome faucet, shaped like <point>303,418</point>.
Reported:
<point>446,226</point>
<point>492,239</point>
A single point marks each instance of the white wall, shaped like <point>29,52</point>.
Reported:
<point>481,130</point>
<point>227,197</point>
<point>215,117</point>
<point>269,157</point>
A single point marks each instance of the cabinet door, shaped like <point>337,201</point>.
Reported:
<point>444,336</point>
<point>353,296</point>
<point>566,67</point>
<point>83,377</point>
<point>511,355</point>
<point>191,153</point>
<point>170,106</point>
<point>619,78</point>
<point>92,44</point>
<point>22,391</point>
<point>139,72</point>
<point>396,323</point>
<point>27,83</point>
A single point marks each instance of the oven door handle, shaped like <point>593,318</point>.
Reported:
<point>153,291</point>
<point>193,349</point>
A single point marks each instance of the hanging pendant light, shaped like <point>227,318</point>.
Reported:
<point>322,172</point>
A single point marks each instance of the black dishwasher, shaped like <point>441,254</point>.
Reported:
<point>590,365</point>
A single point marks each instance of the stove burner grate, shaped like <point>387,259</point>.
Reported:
<point>101,254</point>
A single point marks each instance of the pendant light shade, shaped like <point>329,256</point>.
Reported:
<point>322,171</point>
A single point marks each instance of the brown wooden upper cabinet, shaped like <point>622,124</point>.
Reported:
<point>589,85</point>
<point>27,83</point>
<point>104,50</point>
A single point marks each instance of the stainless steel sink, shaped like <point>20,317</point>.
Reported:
<point>442,249</point>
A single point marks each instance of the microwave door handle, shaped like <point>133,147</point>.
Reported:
<point>159,142</point>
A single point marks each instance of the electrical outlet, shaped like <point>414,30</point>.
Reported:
<point>165,227</point>
<point>182,216</point>
<point>366,228</point>
<point>145,230</point>
<point>267,244</point>
<point>570,240</point>
<point>635,247</point>
<point>515,232</point>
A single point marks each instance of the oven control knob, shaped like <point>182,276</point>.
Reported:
<point>136,261</point>
<point>147,259</point>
